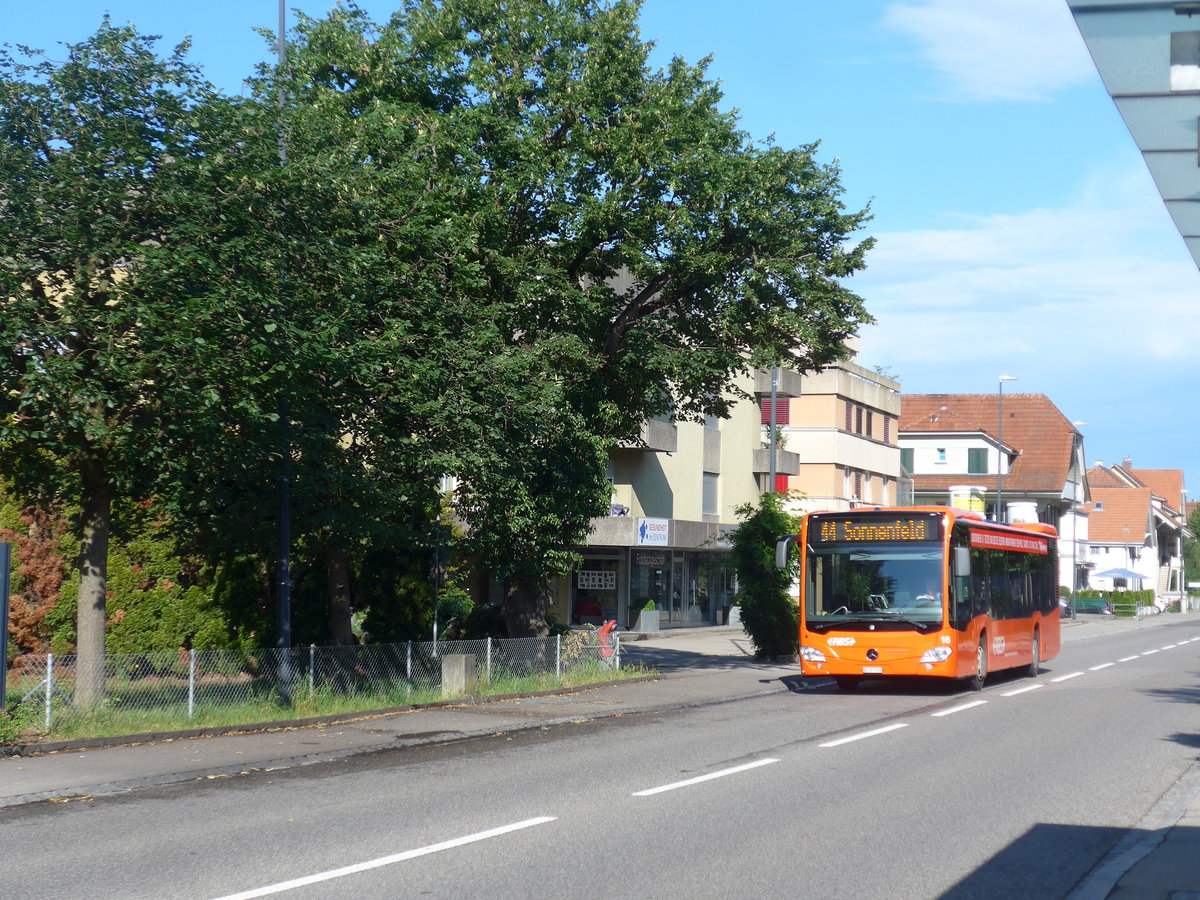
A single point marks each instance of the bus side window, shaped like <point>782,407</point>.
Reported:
<point>960,587</point>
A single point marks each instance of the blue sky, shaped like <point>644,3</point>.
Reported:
<point>1018,230</point>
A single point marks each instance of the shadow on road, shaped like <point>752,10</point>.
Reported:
<point>1046,861</point>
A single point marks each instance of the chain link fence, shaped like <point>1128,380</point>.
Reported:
<point>207,684</point>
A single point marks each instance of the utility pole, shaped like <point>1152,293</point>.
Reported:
<point>283,579</point>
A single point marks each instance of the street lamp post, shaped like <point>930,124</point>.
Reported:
<point>1183,523</point>
<point>1000,454</point>
<point>1075,554</point>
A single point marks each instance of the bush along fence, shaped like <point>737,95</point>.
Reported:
<point>1129,604</point>
<point>146,691</point>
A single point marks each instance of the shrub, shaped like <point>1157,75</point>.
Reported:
<point>769,613</point>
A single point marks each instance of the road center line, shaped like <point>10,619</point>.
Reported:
<point>709,777</point>
<point>1066,677</point>
<point>282,886</point>
<point>1101,666</point>
<point>865,734</point>
<point>1149,653</point>
<point>956,709</point>
<point>1127,659</point>
<point>1022,690</point>
<point>1168,647</point>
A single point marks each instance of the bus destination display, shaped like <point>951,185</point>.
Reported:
<point>875,529</point>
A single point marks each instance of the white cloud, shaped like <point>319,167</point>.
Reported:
<point>987,50</point>
<point>1067,293</point>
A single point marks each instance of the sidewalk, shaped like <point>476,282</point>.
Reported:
<point>720,671</point>
<point>699,667</point>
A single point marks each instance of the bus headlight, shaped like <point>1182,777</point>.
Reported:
<point>936,655</point>
<point>812,655</point>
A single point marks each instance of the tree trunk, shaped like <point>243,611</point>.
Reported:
<point>337,583</point>
<point>524,610</point>
<point>95,515</point>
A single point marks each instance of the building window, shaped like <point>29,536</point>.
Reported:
<point>858,420</point>
<point>1185,61</point>
<point>710,507</point>
<point>887,429</point>
<point>870,424</point>
<point>858,486</point>
<point>849,416</point>
<point>941,454</point>
<point>906,459</point>
<point>977,461</point>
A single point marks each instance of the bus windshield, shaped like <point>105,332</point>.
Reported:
<point>893,585</point>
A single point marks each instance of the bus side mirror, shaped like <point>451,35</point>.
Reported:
<point>782,546</point>
<point>962,561</point>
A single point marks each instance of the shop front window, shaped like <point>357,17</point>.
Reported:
<point>594,599</point>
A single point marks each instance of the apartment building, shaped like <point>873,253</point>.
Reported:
<point>666,539</point>
<point>842,424</point>
<point>676,492</point>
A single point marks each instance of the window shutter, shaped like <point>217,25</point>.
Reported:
<point>782,411</point>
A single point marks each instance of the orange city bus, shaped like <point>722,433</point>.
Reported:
<point>924,590</point>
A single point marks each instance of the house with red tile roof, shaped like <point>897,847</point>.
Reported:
<point>1017,455</point>
<point>1137,523</point>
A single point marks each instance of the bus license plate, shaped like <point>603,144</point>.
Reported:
<point>872,670</point>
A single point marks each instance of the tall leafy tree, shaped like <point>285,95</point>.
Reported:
<point>616,247</point>
<point>92,147</point>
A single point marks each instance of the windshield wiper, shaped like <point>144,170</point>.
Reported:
<point>888,615</point>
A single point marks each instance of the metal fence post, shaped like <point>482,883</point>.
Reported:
<point>558,656</point>
<point>488,668</point>
<point>312,668</point>
<point>191,683</point>
<point>408,670</point>
<point>49,687</point>
<point>616,639</point>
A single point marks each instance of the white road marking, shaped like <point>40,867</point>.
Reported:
<point>865,734</point>
<point>1127,659</point>
<point>1066,677</point>
<point>1101,666</point>
<point>282,886</point>
<point>709,777</point>
<point>1023,690</point>
<point>956,709</point>
<point>1149,653</point>
<point>1168,647</point>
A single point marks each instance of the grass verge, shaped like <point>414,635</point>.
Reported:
<point>121,716</point>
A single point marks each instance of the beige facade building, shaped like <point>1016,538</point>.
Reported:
<point>673,506</point>
<point>675,495</point>
<point>842,424</point>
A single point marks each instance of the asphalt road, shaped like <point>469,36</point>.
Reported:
<point>899,790</point>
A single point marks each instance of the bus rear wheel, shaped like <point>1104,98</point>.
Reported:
<point>848,682</point>
<point>981,671</point>
<point>1035,663</point>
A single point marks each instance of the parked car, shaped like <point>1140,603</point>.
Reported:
<point>1093,605</point>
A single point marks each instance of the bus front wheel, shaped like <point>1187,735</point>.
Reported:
<point>981,670</point>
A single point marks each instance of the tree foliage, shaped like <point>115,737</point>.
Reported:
<point>90,149</point>
<point>483,240</point>
<point>616,246</point>
<point>769,612</point>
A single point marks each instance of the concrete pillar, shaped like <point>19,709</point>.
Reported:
<point>458,675</point>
